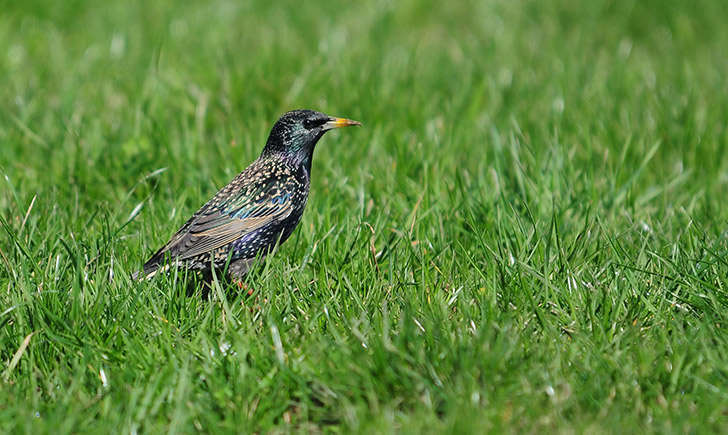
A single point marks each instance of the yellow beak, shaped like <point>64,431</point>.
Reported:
<point>339,122</point>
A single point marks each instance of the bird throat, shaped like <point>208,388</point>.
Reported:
<point>296,151</point>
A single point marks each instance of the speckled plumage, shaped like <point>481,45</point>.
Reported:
<point>259,208</point>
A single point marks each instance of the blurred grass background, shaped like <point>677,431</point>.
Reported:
<point>527,234</point>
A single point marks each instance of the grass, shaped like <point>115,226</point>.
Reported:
<point>528,234</point>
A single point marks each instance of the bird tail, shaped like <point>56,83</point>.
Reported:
<point>150,268</point>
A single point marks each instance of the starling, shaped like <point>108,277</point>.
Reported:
<point>258,209</point>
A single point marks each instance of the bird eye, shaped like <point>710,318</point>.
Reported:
<point>312,123</point>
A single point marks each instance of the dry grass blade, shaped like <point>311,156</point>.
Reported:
<point>18,354</point>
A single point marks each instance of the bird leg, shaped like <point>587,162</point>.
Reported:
<point>243,286</point>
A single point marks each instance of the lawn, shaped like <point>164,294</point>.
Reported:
<point>528,233</point>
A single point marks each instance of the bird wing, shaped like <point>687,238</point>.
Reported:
<point>227,217</point>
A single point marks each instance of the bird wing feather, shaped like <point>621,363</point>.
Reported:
<point>228,217</point>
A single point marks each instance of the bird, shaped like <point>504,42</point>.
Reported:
<point>257,210</point>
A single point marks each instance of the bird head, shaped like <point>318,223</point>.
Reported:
<point>296,132</point>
